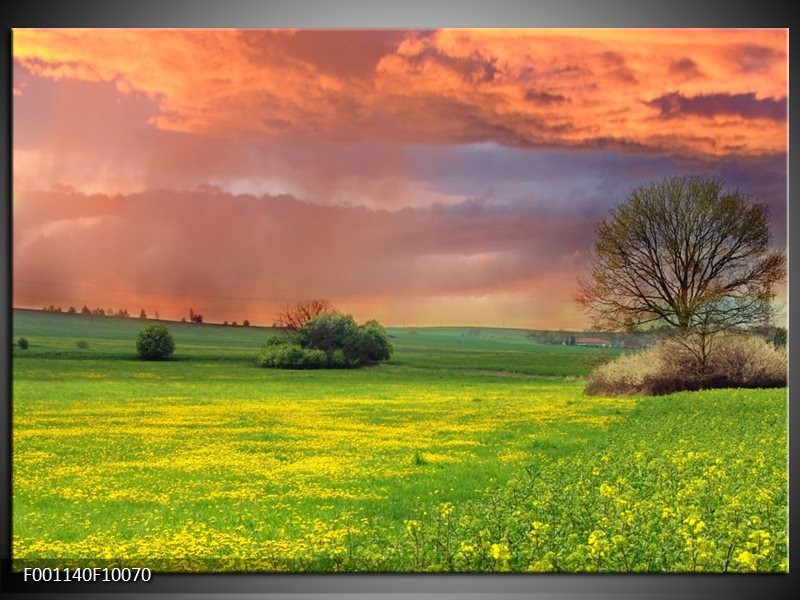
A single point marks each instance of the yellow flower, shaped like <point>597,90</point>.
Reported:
<point>445,509</point>
<point>500,553</point>
<point>747,560</point>
<point>699,526</point>
<point>412,526</point>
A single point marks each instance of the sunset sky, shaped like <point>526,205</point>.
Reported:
<point>442,177</point>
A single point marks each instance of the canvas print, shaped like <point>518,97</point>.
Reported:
<point>446,300</point>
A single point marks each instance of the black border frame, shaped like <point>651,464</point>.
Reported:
<point>378,14</point>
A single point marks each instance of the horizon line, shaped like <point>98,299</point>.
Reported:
<point>239,324</point>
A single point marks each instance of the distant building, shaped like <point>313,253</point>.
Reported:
<point>596,342</point>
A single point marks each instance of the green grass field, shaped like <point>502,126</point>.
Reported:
<point>463,453</point>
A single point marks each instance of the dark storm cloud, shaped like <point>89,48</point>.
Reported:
<point>685,67</point>
<point>746,106</point>
<point>753,57</point>
<point>544,98</point>
<point>475,67</point>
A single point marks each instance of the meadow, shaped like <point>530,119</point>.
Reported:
<point>464,453</point>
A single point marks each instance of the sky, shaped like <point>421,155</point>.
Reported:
<point>417,177</point>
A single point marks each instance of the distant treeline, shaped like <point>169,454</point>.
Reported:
<point>123,312</point>
<point>638,340</point>
<point>594,339</point>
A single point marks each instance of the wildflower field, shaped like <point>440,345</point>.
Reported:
<point>464,453</point>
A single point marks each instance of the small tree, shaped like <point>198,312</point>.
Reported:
<point>683,253</point>
<point>85,310</point>
<point>23,343</point>
<point>154,342</point>
<point>142,315</point>
<point>292,318</point>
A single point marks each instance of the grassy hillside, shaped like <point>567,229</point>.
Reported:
<point>492,350</point>
<point>55,335</point>
<point>466,452</point>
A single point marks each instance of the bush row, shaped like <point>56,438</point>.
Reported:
<point>735,361</point>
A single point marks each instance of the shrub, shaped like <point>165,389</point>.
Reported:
<point>82,344</point>
<point>279,355</point>
<point>23,343</point>
<point>154,342</point>
<point>292,356</point>
<point>368,345</point>
<point>338,360</point>
<point>328,332</point>
<point>278,340</point>
<point>627,374</point>
<point>735,361</point>
<point>745,361</point>
<point>313,359</point>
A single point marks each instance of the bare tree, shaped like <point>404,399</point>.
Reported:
<point>292,318</point>
<point>685,254</point>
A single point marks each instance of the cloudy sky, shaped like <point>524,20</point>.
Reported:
<point>446,177</point>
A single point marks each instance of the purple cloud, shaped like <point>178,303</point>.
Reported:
<point>685,67</point>
<point>746,105</point>
<point>544,98</point>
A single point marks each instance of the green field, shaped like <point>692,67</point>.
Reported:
<point>463,453</point>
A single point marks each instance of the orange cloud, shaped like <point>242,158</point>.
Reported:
<point>528,88</point>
